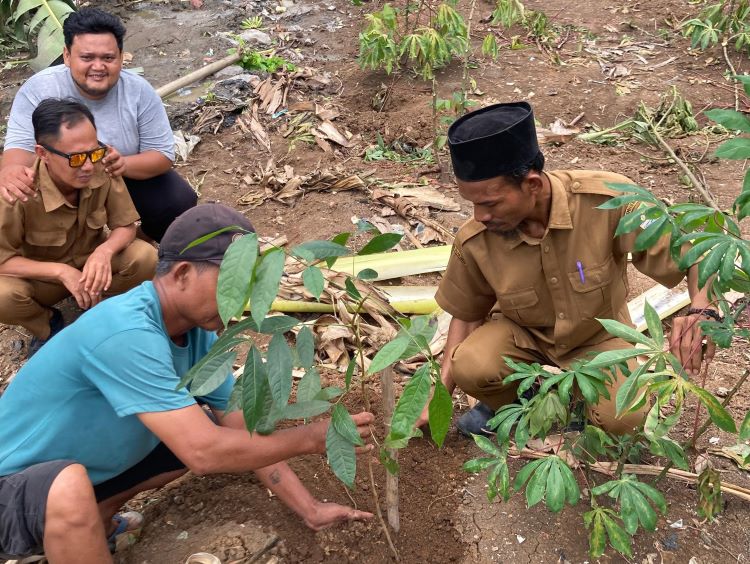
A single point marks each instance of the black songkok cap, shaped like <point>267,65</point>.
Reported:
<point>493,141</point>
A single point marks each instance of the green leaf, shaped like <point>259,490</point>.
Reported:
<point>306,347</point>
<point>411,403</point>
<point>524,473</point>
<point>305,409</point>
<point>627,393</point>
<point>367,274</point>
<point>732,120</point>
<point>710,264</point>
<point>652,233</point>
<point>266,285</point>
<point>349,373</point>
<point>235,274</point>
<point>625,332</point>
<point>535,489</point>
<point>477,465</point>
<point>212,374</point>
<point>352,291</point>
<point>344,425</point>
<point>328,393</point>
<point>598,536</point>
<point>745,428</point>
<point>440,412</point>
<point>381,243</point>
<point>618,537</point>
<point>737,148</point>
<point>318,250</point>
<point>255,389</point>
<point>555,491</point>
<point>390,353</point>
<point>341,456</point>
<point>572,491</point>
<point>309,386</point>
<point>653,322</point>
<point>273,324</point>
<point>486,445</point>
<point>313,280</point>
<point>720,416</point>
<point>279,369</point>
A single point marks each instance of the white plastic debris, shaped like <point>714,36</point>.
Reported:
<point>677,525</point>
<point>520,539</point>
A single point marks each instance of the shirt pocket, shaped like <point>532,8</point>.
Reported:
<point>592,290</point>
<point>45,245</point>
<point>96,219</point>
<point>520,306</point>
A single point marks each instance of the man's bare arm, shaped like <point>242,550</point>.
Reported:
<point>208,448</point>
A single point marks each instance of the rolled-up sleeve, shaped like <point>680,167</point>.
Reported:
<point>120,208</point>
<point>11,230</point>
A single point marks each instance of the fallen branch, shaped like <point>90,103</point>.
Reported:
<point>694,181</point>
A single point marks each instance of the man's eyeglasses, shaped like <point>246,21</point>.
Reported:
<point>77,160</point>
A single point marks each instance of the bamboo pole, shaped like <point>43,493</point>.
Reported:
<point>391,480</point>
<point>197,75</point>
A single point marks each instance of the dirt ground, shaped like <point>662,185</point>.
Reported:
<point>444,513</point>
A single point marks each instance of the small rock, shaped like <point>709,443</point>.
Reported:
<point>714,440</point>
<point>182,536</point>
<point>520,539</point>
<point>722,392</point>
<point>255,37</point>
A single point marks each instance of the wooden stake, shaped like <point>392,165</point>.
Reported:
<point>391,480</point>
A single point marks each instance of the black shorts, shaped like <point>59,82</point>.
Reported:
<point>23,497</point>
<point>23,503</point>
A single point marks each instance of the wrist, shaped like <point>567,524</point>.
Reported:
<point>707,312</point>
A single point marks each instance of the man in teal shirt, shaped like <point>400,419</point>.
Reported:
<point>96,417</point>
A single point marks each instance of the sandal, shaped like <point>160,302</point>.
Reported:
<point>127,529</point>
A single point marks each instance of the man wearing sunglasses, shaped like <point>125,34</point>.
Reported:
<point>130,116</point>
<point>55,245</point>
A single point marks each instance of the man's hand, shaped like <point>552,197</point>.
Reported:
<point>17,183</point>
<point>324,515</point>
<point>97,272</point>
<point>686,343</point>
<point>114,162</point>
<point>71,278</point>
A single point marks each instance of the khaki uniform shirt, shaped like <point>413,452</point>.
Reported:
<point>537,282</point>
<point>48,228</point>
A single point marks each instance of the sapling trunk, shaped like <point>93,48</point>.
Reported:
<point>391,480</point>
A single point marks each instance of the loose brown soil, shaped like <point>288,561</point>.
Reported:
<point>444,513</point>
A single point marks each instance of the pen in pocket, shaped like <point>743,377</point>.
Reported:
<point>580,271</point>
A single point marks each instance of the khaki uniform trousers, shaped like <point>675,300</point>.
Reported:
<point>26,302</point>
<point>478,368</point>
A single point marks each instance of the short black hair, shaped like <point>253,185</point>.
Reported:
<point>92,20</point>
<point>51,114</point>
<point>517,175</point>
<point>165,266</point>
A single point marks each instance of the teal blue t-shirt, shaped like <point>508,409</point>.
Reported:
<point>79,396</point>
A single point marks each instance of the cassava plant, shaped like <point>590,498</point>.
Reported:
<point>623,503</point>
<point>723,23</point>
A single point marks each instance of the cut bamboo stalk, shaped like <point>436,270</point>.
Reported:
<point>421,300</point>
<point>391,480</point>
<point>197,75</point>
<point>395,265</point>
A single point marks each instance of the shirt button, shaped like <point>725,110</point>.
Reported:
<point>561,315</point>
<point>553,280</point>
<point>576,185</point>
<point>546,248</point>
